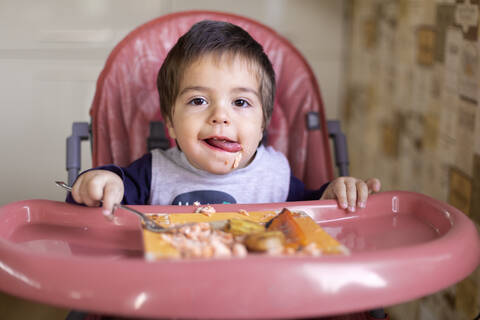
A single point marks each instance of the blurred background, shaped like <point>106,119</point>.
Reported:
<point>401,75</point>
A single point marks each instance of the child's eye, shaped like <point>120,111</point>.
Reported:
<point>197,101</point>
<point>241,103</point>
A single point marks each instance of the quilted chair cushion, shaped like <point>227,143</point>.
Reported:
<point>126,98</point>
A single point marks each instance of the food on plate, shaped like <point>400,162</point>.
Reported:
<point>229,234</point>
<point>206,210</point>
<point>271,242</point>
<point>200,240</point>
<point>239,227</point>
<point>244,212</point>
<point>302,232</point>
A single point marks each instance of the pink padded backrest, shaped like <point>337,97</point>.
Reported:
<point>126,98</point>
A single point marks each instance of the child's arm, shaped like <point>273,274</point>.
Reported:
<point>298,192</point>
<point>351,191</point>
<point>112,184</point>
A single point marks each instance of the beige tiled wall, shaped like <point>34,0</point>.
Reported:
<point>412,115</point>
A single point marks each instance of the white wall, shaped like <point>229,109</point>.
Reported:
<point>52,51</point>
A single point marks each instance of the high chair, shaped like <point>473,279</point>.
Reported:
<point>125,113</point>
<point>126,119</point>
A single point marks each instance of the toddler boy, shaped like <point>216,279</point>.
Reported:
<point>216,89</point>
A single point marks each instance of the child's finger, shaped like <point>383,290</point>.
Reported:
<point>351,194</point>
<point>91,193</point>
<point>340,192</point>
<point>374,185</point>
<point>111,196</point>
<point>362,193</point>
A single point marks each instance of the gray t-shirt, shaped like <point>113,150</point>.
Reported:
<point>175,181</point>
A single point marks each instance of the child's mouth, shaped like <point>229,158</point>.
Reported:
<point>224,144</point>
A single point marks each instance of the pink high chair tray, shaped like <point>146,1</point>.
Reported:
<point>403,246</point>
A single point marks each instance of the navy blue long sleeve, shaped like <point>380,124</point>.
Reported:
<point>298,192</point>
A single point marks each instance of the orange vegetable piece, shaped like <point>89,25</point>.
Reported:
<point>301,230</point>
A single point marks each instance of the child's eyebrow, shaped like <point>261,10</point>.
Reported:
<point>194,88</point>
<point>246,89</point>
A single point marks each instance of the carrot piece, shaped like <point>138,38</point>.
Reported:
<point>301,230</point>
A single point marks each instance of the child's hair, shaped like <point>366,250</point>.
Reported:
<point>216,37</point>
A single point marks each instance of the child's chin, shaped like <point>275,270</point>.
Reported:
<point>219,170</point>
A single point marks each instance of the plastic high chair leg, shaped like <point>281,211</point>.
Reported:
<point>378,314</point>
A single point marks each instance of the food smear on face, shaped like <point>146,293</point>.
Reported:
<point>237,160</point>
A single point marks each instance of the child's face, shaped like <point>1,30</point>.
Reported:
<point>218,113</point>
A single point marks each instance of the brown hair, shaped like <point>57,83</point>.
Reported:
<point>216,37</point>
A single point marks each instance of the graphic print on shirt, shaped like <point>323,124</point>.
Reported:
<point>203,197</point>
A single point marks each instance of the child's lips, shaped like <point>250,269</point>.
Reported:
<point>224,144</point>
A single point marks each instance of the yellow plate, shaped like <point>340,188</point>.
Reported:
<point>155,247</point>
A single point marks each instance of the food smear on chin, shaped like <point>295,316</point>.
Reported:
<point>237,160</point>
<point>227,145</point>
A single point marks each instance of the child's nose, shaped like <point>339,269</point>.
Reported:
<point>224,121</point>
<point>219,116</point>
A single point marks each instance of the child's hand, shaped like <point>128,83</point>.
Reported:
<point>99,185</point>
<point>351,191</point>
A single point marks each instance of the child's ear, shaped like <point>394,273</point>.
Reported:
<point>171,130</point>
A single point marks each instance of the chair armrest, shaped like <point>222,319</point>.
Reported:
<point>80,132</point>
<point>339,145</point>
